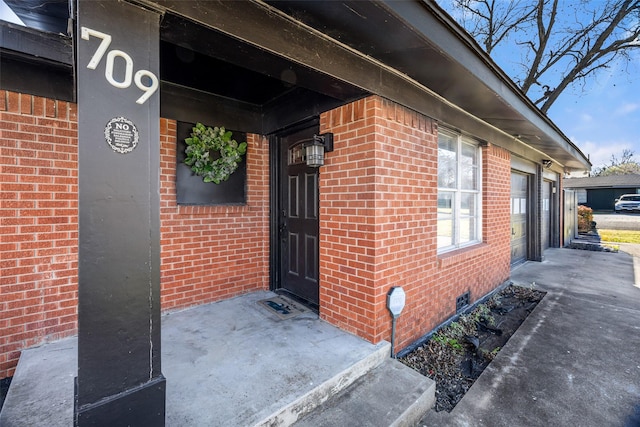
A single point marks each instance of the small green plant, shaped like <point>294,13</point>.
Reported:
<point>455,344</point>
<point>483,313</point>
<point>490,355</point>
<point>454,334</point>
<point>447,341</point>
<point>456,330</point>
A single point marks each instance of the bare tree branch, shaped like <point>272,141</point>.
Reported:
<point>544,33</point>
<point>562,42</point>
<point>490,21</point>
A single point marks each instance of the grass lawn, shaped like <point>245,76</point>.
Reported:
<point>620,236</point>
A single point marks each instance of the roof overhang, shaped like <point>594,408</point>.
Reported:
<point>410,52</point>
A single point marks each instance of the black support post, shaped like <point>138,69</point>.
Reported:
<point>119,380</point>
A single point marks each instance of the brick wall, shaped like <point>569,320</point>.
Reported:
<point>378,203</point>
<point>208,253</point>
<point>38,223</point>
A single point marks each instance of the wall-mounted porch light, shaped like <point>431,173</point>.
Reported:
<point>315,149</point>
<point>547,164</point>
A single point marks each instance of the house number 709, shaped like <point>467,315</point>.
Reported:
<point>128,74</point>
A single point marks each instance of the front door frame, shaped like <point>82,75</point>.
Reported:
<point>275,192</point>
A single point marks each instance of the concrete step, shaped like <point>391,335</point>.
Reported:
<point>328,390</point>
<point>42,389</point>
<point>392,394</point>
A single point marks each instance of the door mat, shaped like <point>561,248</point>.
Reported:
<point>283,307</point>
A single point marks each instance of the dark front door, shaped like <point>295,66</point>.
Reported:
<point>298,218</point>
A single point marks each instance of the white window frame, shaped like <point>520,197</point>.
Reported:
<point>457,216</point>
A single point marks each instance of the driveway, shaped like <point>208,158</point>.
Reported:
<point>622,221</point>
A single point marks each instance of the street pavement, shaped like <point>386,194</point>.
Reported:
<point>621,221</point>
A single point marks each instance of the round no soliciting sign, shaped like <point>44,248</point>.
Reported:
<point>121,135</point>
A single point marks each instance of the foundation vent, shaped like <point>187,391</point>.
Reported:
<point>462,302</point>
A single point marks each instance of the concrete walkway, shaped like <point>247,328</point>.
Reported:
<point>634,251</point>
<point>575,361</point>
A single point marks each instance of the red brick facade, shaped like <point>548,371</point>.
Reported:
<point>38,223</point>
<point>208,253</point>
<point>378,203</point>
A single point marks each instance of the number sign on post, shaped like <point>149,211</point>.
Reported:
<point>119,377</point>
<point>148,90</point>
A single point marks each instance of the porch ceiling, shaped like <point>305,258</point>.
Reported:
<point>206,65</point>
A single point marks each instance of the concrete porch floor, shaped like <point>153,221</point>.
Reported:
<point>231,363</point>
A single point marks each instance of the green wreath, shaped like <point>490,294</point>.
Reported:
<point>202,148</point>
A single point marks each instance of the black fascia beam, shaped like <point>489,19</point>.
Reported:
<point>188,105</point>
<point>258,25</point>
<point>295,106</point>
<point>25,74</point>
<point>51,47</point>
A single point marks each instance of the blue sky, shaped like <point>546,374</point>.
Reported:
<point>601,116</point>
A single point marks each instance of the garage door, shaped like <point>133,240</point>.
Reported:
<point>519,216</point>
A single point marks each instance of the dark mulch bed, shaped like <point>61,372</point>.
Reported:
<point>455,355</point>
<point>4,389</point>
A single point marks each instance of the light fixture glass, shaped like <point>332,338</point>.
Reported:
<point>315,154</point>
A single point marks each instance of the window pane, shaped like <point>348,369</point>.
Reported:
<point>447,161</point>
<point>469,167</point>
<point>518,183</point>
<point>469,178</point>
<point>467,204</point>
<point>467,230</point>
<point>459,192</point>
<point>469,154</point>
<point>445,204</point>
<point>445,233</point>
<point>446,201</point>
